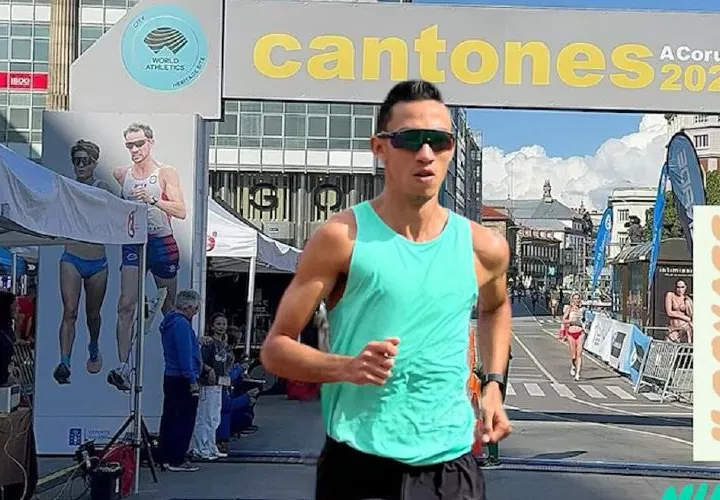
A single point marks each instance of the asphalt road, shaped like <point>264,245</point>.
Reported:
<point>598,419</point>
<point>606,419</point>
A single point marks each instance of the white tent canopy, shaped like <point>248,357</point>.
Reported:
<point>41,207</point>
<point>230,239</point>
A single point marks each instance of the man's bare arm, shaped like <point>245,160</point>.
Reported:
<point>119,175</point>
<point>494,310</point>
<point>174,206</point>
<point>325,257</point>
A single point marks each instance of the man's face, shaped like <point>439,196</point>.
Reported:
<point>416,174</point>
<point>83,165</point>
<point>190,310</point>
<point>138,145</point>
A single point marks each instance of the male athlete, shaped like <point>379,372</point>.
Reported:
<point>158,185</point>
<point>82,266</point>
<point>401,275</point>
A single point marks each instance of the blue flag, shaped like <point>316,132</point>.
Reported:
<point>602,240</point>
<point>657,224</point>
<point>686,179</point>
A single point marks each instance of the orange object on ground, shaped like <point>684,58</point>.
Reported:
<point>302,391</point>
<point>474,392</point>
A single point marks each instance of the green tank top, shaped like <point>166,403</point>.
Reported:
<point>423,293</point>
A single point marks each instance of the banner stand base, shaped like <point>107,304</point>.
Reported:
<point>143,444</point>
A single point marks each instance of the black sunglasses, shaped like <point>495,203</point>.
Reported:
<point>414,139</point>
<point>81,161</point>
<point>137,144</point>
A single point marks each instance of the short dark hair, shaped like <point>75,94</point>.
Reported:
<point>139,127</point>
<point>88,147</point>
<point>407,91</point>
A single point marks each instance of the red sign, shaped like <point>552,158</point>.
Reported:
<point>15,80</point>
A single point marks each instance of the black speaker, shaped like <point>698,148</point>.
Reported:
<point>105,482</point>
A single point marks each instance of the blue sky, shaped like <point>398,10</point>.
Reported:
<point>564,134</point>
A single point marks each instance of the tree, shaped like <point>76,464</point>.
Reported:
<point>712,188</point>
<point>671,222</point>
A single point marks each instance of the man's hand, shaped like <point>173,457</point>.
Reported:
<point>142,195</point>
<point>496,425</point>
<point>194,389</point>
<point>373,365</point>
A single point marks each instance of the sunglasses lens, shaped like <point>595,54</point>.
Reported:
<point>413,140</point>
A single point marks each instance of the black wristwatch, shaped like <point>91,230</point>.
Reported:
<point>493,377</point>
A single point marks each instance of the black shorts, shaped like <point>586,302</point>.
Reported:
<point>344,473</point>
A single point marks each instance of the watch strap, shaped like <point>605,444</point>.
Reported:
<point>493,377</point>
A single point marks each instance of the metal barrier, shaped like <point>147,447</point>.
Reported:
<point>680,383</point>
<point>24,360</point>
<point>668,365</point>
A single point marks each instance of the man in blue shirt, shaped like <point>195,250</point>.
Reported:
<point>183,365</point>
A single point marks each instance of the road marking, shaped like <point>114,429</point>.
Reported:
<point>606,407</point>
<point>510,390</point>
<point>529,379</point>
<point>619,392</point>
<point>534,390</point>
<point>592,392</point>
<point>632,405</point>
<point>560,419</point>
<point>563,390</point>
<point>651,396</point>
<point>535,360</point>
<point>662,414</point>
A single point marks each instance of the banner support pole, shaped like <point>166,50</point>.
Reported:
<point>139,346</point>
<point>249,305</point>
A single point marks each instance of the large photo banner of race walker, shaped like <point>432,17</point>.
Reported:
<point>88,294</point>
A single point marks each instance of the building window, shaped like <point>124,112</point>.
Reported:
<point>701,141</point>
<point>701,118</point>
<point>295,126</point>
<point>40,50</point>
<point>20,118</point>
<point>623,214</point>
<point>229,125</point>
<point>317,126</point>
<point>21,49</point>
<point>273,125</point>
<point>249,125</point>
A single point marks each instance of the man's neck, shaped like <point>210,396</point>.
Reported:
<point>87,180</point>
<point>145,167</point>
<point>418,221</point>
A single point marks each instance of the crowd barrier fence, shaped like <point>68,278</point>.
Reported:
<point>668,368</point>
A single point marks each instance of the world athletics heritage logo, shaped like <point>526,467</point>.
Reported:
<point>164,49</point>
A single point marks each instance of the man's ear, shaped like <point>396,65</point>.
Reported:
<point>378,146</point>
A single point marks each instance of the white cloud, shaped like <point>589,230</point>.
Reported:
<point>631,160</point>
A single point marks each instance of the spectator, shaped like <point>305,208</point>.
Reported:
<point>25,324</point>
<point>8,314</point>
<point>238,406</point>
<point>183,364</point>
<point>216,360</point>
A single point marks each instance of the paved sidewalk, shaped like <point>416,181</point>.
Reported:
<point>296,482</point>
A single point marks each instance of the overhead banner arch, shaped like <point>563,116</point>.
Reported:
<point>185,56</point>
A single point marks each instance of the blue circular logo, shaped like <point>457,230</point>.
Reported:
<point>164,48</point>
